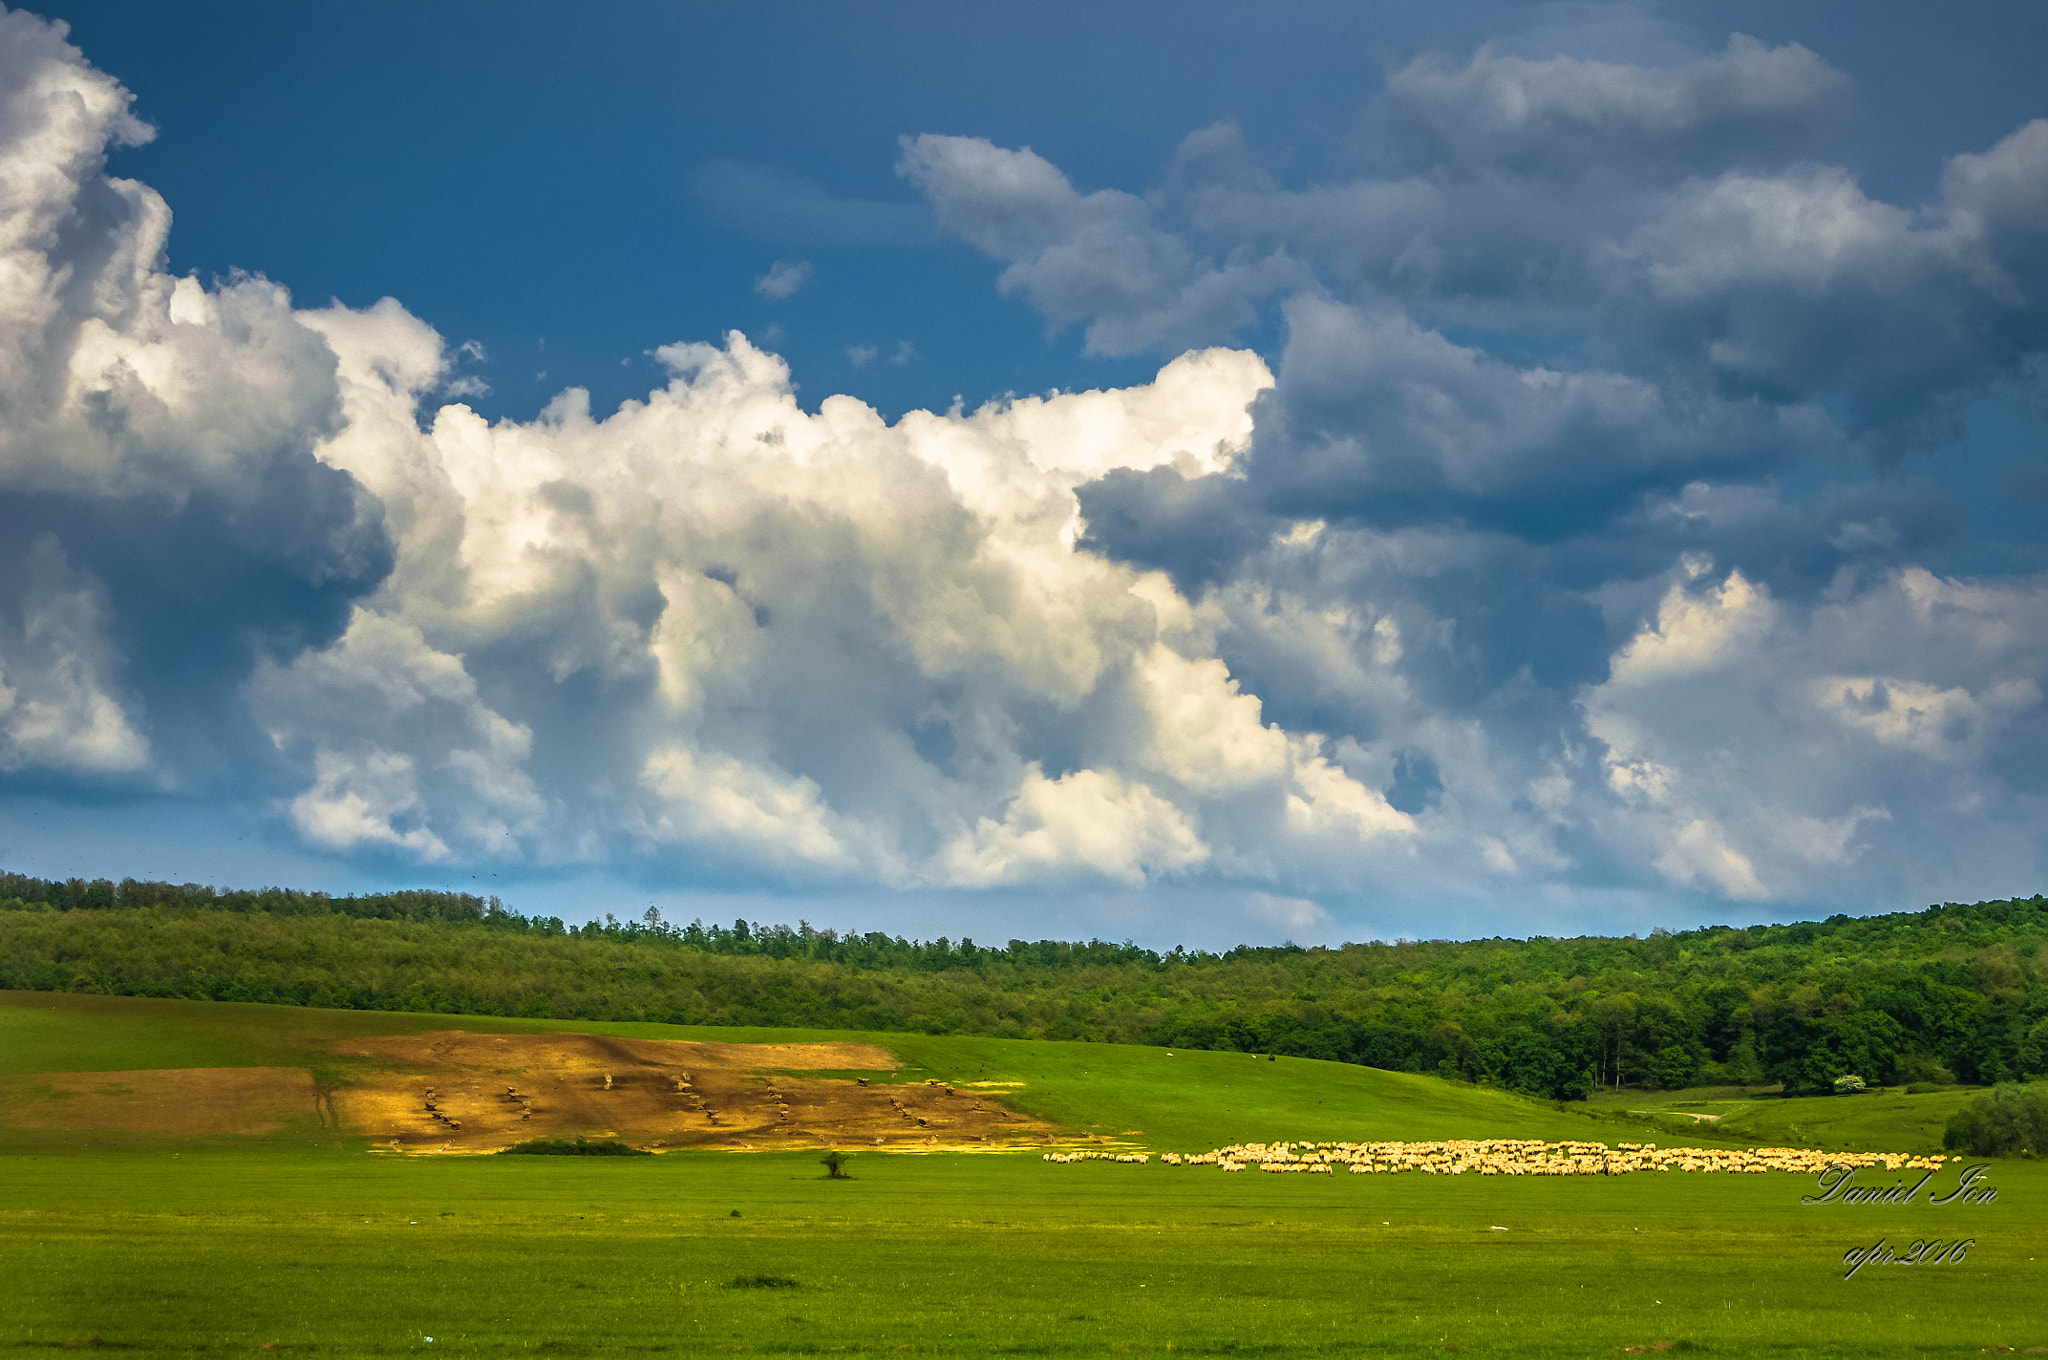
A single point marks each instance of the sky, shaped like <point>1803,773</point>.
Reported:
<point>1170,472</point>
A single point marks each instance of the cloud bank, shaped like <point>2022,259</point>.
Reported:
<point>1487,589</point>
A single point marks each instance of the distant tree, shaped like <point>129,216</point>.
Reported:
<point>2002,1122</point>
<point>1674,1065</point>
<point>834,1163</point>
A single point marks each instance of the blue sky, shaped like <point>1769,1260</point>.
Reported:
<point>1530,468</point>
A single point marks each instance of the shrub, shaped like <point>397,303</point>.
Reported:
<point>834,1163</point>
<point>575,1147</point>
<point>1850,1085</point>
<point>759,1282</point>
<point>2001,1122</point>
<point>1921,1067</point>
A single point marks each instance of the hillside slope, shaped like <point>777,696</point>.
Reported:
<point>1160,1098</point>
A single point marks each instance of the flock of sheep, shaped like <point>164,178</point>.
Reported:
<point>1510,1157</point>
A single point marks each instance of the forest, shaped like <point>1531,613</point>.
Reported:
<point>1952,993</point>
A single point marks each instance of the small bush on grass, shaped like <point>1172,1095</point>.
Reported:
<point>575,1147</point>
<point>834,1163</point>
<point>760,1282</point>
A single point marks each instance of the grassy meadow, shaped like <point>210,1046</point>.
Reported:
<point>306,1241</point>
<point>1876,1120</point>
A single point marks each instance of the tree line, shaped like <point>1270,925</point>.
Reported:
<point>1951,993</point>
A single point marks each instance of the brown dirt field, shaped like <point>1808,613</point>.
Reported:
<point>479,1092</point>
<point>188,1100</point>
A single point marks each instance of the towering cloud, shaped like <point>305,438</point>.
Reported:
<point>164,517</point>
<point>814,645</point>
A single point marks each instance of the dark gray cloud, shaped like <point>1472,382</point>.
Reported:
<point>1196,529</point>
<point>1504,182</point>
<point>1677,224</point>
<point>1797,286</point>
<point>1375,418</point>
<point>1577,119</point>
<point>1094,257</point>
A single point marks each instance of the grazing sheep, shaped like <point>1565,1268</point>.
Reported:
<point>1527,1157</point>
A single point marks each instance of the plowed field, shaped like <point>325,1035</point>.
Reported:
<point>187,1100</point>
<point>464,1092</point>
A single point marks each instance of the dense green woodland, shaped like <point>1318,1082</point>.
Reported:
<point>1951,993</point>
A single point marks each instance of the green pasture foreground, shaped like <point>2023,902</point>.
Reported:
<point>307,1242</point>
<point>297,1251</point>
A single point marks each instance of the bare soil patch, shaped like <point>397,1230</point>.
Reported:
<point>468,1092</point>
<point>186,1100</point>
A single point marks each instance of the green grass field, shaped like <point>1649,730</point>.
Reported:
<point>308,1243</point>
<point>1875,1120</point>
